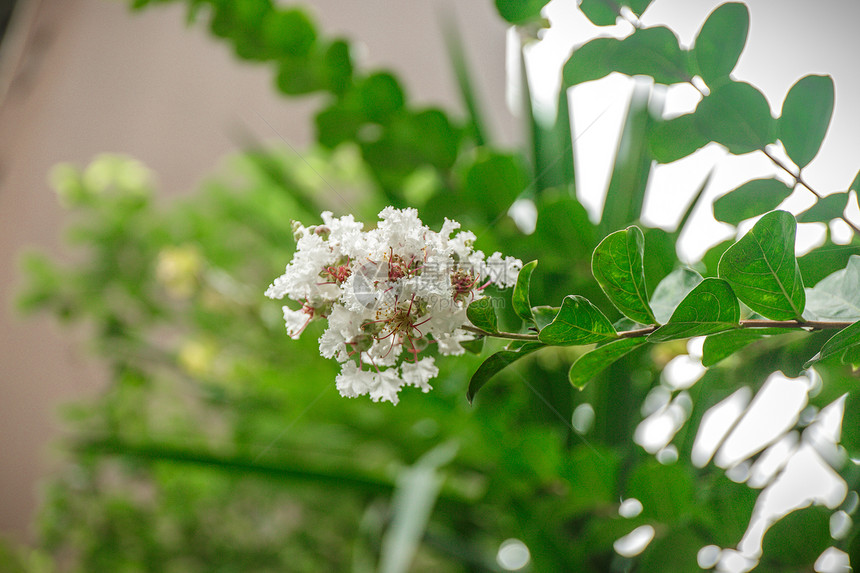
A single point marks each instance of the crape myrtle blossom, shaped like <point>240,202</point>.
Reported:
<point>389,295</point>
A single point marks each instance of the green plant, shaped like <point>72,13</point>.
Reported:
<point>220,444</point>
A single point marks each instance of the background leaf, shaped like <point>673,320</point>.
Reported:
<point>797,539</point>
<point>762,270</point>
<point>721,41</point>
<point>676,138</point>
<point>722,345</point>
<point>806,115</point>
<point>836,297</point>
<point>671,291</point>
<point>520,11</point>
<point>825,209</point>
<point>578,322</point>
<point>844,345</point>
<point>737,116</point>
<point>750,200</point>
<point>617,264</point>
<point>710,307</point>
<point>652,52</point>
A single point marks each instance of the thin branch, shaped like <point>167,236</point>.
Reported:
<point>799,180</point>
<point>642,332</point>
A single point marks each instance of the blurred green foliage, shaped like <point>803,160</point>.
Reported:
<point>220,445</point>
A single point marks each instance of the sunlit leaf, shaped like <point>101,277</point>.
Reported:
<point>721,41</point>
<point>762,270</point>
<point>520,296</point>
<point>806,115</point>
<point>737,116</point>
<point>578,322</point>
<point>844,345</point>
<point>710,307</point>
<point>750,200</point>
<point>617,264</point>
<point>520,11</point>
<point>593,363</point>
<point>495,364</point>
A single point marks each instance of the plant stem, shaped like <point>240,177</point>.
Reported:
<point>798,178</point>
<point>641,332</point>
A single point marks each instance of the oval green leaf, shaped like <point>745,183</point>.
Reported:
<point>721,41</point>
<point>710,307</point>
<point>806,115</point>
<point>750,200</point>
<point>762,269</point>
<point>617,264</point>
<point>737,116</point>
<point>482,314</point>
<point>652,52</point>
<point>593,363</point>
<point>675,139</point>
<point>495,364</point>
<point>825,209</point>
<point>578,322</point>
<point>520,297</point>
<point>844,345</point>
<point>591,61</point>
<point>520,11</point>
<point>605,12</point>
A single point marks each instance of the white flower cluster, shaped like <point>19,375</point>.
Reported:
<point>389,295</point>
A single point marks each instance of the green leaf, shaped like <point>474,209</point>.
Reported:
<point>762,270</point>
<point>844,345</point>
<point>798,539</point>
<point>836,297</point>
<point>475,346</point>
<point>825,209</point>
<point>605,12</point>
<point>850,437</point>
<point>495,364</point>
<point>660,257</point>
<point>380,96</point>
<point>710,307</point>
<point>737,116</point>
<point>750,200</point>
<point>676,138</point>
<point>855,185</point>
<point>806,115</point>
<point>593,363</point>
<point>288,32</point>
<point>520,296</point>
<point>722,345</point>
<point>826,259</point>
<point>652,52</point>
<point>482,313</point>
<point>721,41</point>
<point>544,315</point>
<point>520,11</point>
<point>671,291</point>
<point>590,61</point>
<point>617,264</point>
<point>578,322</point>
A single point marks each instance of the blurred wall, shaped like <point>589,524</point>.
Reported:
<point>92,77</point>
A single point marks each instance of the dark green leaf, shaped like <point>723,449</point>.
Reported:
<point>578,322</point>
<point>750,200</point>
<point>721,41</point>
<point>844,345</point>
<point>496,363</point>
<point>712,256</point>
<point>652,52</point>
<point>493,181</point>
<point>544,315</point>
<point>737,115</point>
<point>380,96</point>
<point>591,61</point>
<point>650,481</point>
<point>798,539</point>
<point>520,296</point>
<point>593,363</point>
<point>826,259</point>
<point>722,345</point>
<point>520,11</point>
<point>675,139</point>
<point>855,185</point>
<point>660,257</point>
<point>482,313</point>
<point>806,115</point>
<point>850,437</point>
<point>710,307</point>
<point>836,297</point>
<point>475,346</point>
<point>674,551</point>
<point>617,264</point>
<point>288,32</point>
<point>762,270</point>
<point>671,291</point>
<point>825,209</point>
